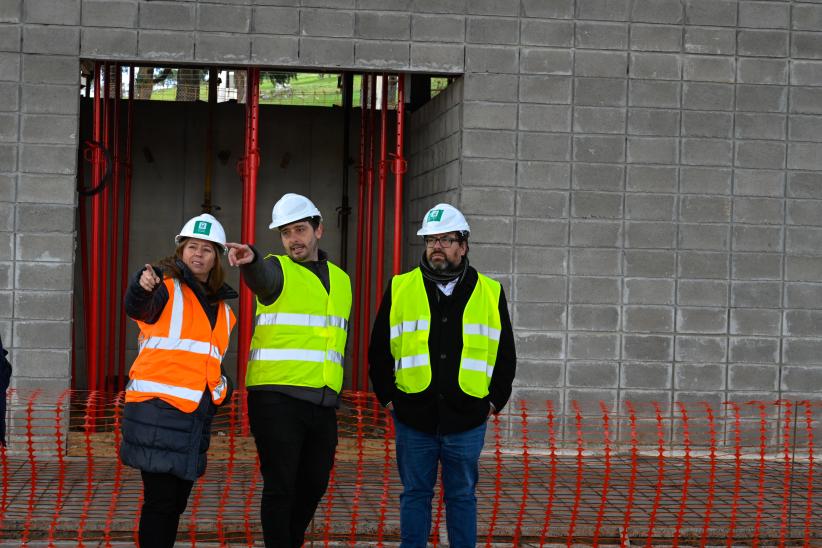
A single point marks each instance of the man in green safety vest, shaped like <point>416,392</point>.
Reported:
<point>295,367</point>
<point>442,359</point>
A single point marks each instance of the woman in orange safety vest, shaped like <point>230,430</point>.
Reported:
<point>177,380</point>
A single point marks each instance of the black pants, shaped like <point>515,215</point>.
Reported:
<point>296,441</point>
<point>165,497</point>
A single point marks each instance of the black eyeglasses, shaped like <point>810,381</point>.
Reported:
<point>444,242</point>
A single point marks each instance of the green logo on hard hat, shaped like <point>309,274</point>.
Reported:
<point>202,227</point>
<point>435,215</point>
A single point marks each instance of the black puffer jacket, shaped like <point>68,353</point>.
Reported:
<point>158,437</point>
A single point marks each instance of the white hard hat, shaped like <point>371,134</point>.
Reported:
<point>203,227</point>
<point>443,218</point>
<point>292,207</point>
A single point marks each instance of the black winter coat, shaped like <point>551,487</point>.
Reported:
<point>158,437</point>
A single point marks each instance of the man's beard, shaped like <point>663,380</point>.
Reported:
<point>443,266</point>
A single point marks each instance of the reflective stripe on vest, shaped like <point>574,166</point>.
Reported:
<point>179,357</point>
<point>299,340</point>
<point>409,321</point>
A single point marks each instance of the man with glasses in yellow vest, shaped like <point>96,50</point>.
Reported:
<point>295,367</point>
<point>442,359</point>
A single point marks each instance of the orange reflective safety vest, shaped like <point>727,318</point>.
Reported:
<point>180,354</point>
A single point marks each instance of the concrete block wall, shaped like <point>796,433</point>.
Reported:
<point>643,175</point>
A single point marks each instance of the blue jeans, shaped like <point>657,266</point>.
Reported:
<point>417,456</point>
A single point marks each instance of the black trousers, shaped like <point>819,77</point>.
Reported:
<point>296,441</point>
<point>165,497</point>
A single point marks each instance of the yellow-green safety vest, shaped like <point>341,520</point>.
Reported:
<point>299,339</point>
<point>410,321</point>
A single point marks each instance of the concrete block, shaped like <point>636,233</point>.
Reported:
<point>50,69</point>
<point>541,346</point>
<point>700,349</point>
<point>9,66</point>
<point>541,204</point>
<point>275,20</point>
<point>339,4</point>
<point>804,185</point>
<point>802,241</point>
<point>544,117</point>
<point>489,144</point>
<point>803,295</point>
<point>707,124</point>
<point>491,230</point>
<point>111,43</point>
<point>545,61</point>
<point>646,375</point>
<point>42,364</point>
<point>647,347</point>
<point>649,264</point>
<point>275,50</point>
<point>652,150</point>
<point>539,289</point>
<point>805,100</point>
<point>657,11</point>
<point>596,35</point>
<point>804,156</point>
<point>656,38</point>
<point>600,63</point>
<point>6,282</point>
<point>558,9</point>
<point>762,71</point>
<point>657,94</point>
<point>707,152</point>
<point>691,376</point>
<point>802,268</point>
<point>595,262</point>
<point>807,17</point>
<point>762,126</point>
<point>540,260</point>
<point>484,115</point>
<point>802,323</point>
<point>42,334</point>
<point>382,26</point>
<point>703,96</point>
<point>42,305</point>
<point>604,10</point>
<point>393,55</point>
<point>222,48</point>
<point>599,148</point>
<point>438,57</point>
<point>51,40</point>
<point>10,11</point>
<point>44,218</point>
<point>8,157</point>
<point>7,187</point>
<point>493,7</point>
<point>600,92</point>
<point>167,15</point>
<point>772,15</point>
<point>655,66</point>
<point>437,28</point>
<point>804,212</point>
<point>705,237</point>
<point>56,189</point>
<point>650,235</point>
<point>702,293</point>
<point>492,30</point>
<point>320,52</point>
<point>167,46</point>
<point>751,182</point>
<point>648,291</point>
<point>587,346</point>
<point>705,180</point>
<point>48,129</point>
<point>51,247</point>
<point>757,238</point>
<point>596,234</point>
<point>539,374</point>
<point>709,69</point>
<point>758,210</point>
<point>801,379</point>
<point>756,322</point>
<point>541,175</point>
<point>43,276</point>
<point>10,37</point>
<point>763,43</point>
<point>752,377</point>
<point>7,220</point>
<point>485,172</point>
<point>488,201</point>
<point>490,87</point>
<point>806,45</point>
<point>326,23</point>
<point>720,13</point>
<point>599,120</point>
<point>495,59</point>
<point>756,294</point>
<point>802,128</point>
<point>598,177</point>
<point>541,32</point>
<point>585,290</point>
<point>801,351</point>
<point>439,6</point>
<point>755,98</point>
<point>760,154</point>
<point>9,128</point>
<point>701,320</point>
<point>539,316</point>
<point>109,13</point>
<point>544,146</point>
<point>48,159</point>
<point>51,12</point>
<point>661,207</point>
<point>593,318</point>
<point>651,179</point>
<point>590,374</point>
<point>711,41</point>
<point>703,264</point>
<point>7,254</point>
<point>493,258</point>
<point>648,319</point>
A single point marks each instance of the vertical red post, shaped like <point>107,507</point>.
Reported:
<point>355,332</point>
<point>105,228</point>
<point>96,211</point>
<point>383,167</point>
<point>399,170</point>
<point>369,218</point>
<point>113,296</point>
<point>121,356</point>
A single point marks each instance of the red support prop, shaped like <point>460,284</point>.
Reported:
<point>93,325</point>
<point>121,345</point>
<point>683,501</point>
<point>497,481</point>
<point>578,487</point>
<point>552,480</point>
<point>399,168</point>
<point>606,436</point>
<point>105,228</point>
<point>737,473</point>
<point>357,297</point>
<point>369,218</point>
<point>383,169</point>
<point>623,540</point>
<point>113,295</point>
